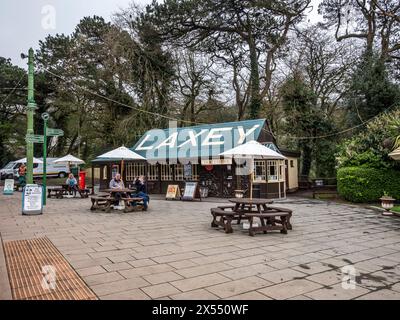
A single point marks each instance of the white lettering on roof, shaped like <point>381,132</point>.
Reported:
<point>211,135</point>
<point>213,138</point>
<point>140,146</point>
<point>192,138</point>
<point>170,141</point>
<point>243,134</point>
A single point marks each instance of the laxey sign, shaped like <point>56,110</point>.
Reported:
<point>191,143</point>
<point>50,132</point>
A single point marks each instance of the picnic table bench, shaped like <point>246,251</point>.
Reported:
<point>129,206</point>
<point>280,209</point>
<point>269,221</point>
<point>271,218</point>
<point>102,202</point>
<point>225,218</point>
<point>57,192</point>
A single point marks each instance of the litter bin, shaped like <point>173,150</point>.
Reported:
<point>82,176</point>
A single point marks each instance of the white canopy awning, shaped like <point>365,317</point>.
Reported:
<point>69,159</point>
<point>122,153</point>
<point>253,149</point>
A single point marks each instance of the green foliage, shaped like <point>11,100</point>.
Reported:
<point>305,119</point>
<point>361,184</point>
<point>371,91</point>
<point>396,209</point>
<point>13,82</point>
<point>370,147</point>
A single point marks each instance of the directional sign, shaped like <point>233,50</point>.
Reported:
<point>54,132</point>
<point>35,138</point>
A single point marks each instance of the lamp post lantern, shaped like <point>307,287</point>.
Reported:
<point>30,110</point>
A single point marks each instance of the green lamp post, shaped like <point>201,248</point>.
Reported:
<point>30,110</point>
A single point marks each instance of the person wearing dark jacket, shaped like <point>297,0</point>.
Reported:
<point>141,191</point>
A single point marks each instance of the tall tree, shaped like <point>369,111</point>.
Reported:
<point>371,91</point>
<point>376,22</point>
<point>13,93</point>
<point>252,30</point>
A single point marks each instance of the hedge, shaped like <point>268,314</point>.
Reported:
<point>360,184</point>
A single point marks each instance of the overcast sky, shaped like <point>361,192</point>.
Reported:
<point>24,22</point>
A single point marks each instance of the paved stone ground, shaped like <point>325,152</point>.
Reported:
<point>171,252</point>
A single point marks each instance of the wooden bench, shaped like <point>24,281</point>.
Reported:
<point>129,207</point>
<point>269,221</point>
<point>227,207</point>
<point>225,218</point>
<point>57,192</point>
<point>102,203</point>
<point>84,193</point>
<point>279,209</point>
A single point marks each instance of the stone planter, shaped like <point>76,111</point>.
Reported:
<point>387,202</point>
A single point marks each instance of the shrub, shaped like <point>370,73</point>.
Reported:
<point>370,147</point>
<point>362,184</point>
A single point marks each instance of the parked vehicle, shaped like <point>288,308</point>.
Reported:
<point>8,171</point>
<point>52,169</point>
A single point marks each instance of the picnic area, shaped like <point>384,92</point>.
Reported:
<point>172,252</point>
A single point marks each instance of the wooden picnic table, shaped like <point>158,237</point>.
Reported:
<point>271,218</point>
<point>122,190</point>
<point>128,201</point>
<point>56,191</point>
<point>84,193</point>
<point>246,204</point>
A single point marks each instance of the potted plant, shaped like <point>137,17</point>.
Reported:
<point>387,201</point>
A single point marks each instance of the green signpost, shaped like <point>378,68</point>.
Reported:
<point>54,132</point>
<point>34,138</point>
<point>30,110</point>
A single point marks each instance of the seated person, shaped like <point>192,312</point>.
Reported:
<point>141,191</point>
<point>72,184</point>
<point>117,183</point>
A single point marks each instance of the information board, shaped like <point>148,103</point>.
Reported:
<point>173,192</point>
<point>32,199</point>
<point>191,191</point>
<point>8,186</point>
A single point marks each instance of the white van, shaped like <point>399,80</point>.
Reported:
<point>52,169</point>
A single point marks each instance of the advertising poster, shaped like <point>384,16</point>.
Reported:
<point>32,199</point>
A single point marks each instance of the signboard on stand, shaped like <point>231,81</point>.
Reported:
<point>173,192</point>
<point>191,191</point>
<point>187,171</point>
<point>8,186</point>
<point>32,199</point>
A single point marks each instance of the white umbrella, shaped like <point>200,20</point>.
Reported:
<point>69,159</point>
<point>122,153</point>
<point>253,150</point>
<point>395,154</point>
<point>35,160</point>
